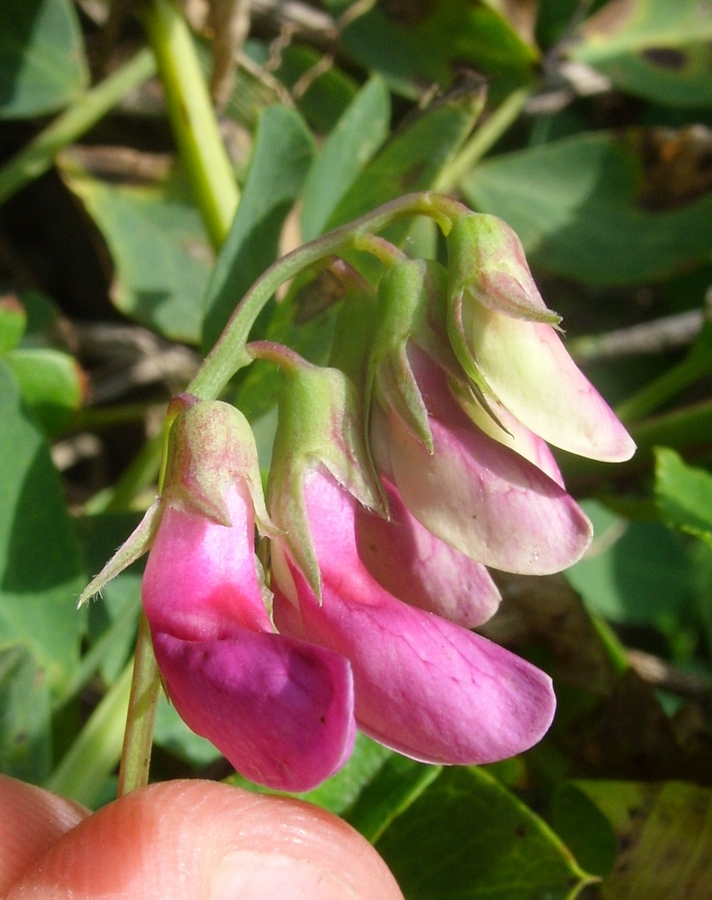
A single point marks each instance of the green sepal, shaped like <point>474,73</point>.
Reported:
<point>138,543</point>
<point>486,261</point>
<point>320,424</point>
<point>210,447</point>
<point>412,307</point>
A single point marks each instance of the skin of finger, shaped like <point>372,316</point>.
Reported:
<point>199,839</point>
<point>31,821</point>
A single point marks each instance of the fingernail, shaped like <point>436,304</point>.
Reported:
<point>251,875</point>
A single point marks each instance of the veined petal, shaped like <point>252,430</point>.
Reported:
<point>280,710</point>
<point>424,686</point>
<point>487,501</point>
<point>421,570</point>
<point>201,578</point>
<point>517,436</point>
<point>531,373</point>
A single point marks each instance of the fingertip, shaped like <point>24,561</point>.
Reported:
<point>31,821</point>
<point>186,839</point>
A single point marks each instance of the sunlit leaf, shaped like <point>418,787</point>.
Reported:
<point>40,569</point>
<point>583,208</point>
<point>158,246</point>
<point>684,494</point>
<point>42,64</point>
<point>468,836</point>
<point>51,383</point>
<point>653,48</point>
<point>418,44</point>
<point>359,132</point>
<point>283,152</point>
<point>25,725</point>
<point>664,833</point>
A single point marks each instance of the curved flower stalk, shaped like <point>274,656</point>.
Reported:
<point>279,709</point>
<point>423,684</point>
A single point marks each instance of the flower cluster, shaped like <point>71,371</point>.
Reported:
<point>399,474</point>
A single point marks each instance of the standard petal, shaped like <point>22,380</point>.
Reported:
<point>421,570</point>
<point>280,710</point>
<point>201,578</point>
<point>531,373</point>
<point>423,686</point>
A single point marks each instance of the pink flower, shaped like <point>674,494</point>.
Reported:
<point>504,508</point>
<point>423,685</point>
<point>279,709</point>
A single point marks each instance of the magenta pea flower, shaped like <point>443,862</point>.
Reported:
<point>279,709</point>
<point>373,591</point>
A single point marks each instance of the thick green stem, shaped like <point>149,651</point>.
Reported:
<point>94,754</point>
<point>228,355</point>
<point>194,124</point>
<point>664,388</point>
<point>138,737</point>
<point>39,154</point>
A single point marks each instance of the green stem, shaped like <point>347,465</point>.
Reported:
<point>38,156</point>
<point>482,140</point>
<point>95,752</point>
<point>665,387</point>
<point>228,355</point>
<point>687,430</point>
<point>192,117</point>
<point>138,737</point>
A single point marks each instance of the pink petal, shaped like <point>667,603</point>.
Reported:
<point>479,496</point>
<point>423,686</point>
<point>417,568</point>
<point>487,501</point>
<point>201,577</point>
<point>531,373</point>
<point>280,710</point>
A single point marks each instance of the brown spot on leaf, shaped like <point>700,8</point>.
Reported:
<point>676,165</point>
<point>665,57</point>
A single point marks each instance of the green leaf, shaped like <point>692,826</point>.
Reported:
<point>584,828</point>
<point>664,833</point>
<point>637,573</point>
<point>413,45</point>
<point>25,726</point>
<point>653,48</point>
<point>283,153</point>
<point>467,836</point>
<point>159,248</point>
<point>328,94</point>
<point>414,158</point>
<point>42,64</point>
<point>51,383</point>
<point>581,209</point>
<point>358,133</point>
<point>683,494</point>
<point>396,785</point>
<point>342,791</point>
<point>13,319</point>
<point>40,569</point>
<point>172,734</point>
